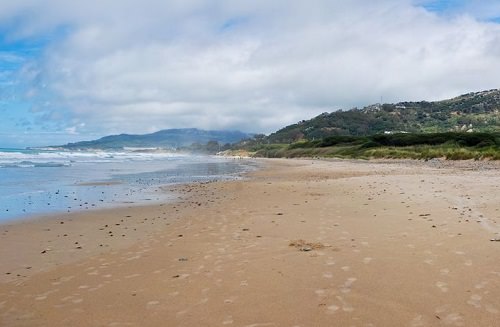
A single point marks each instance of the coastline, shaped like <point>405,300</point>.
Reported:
<point>381,243</point>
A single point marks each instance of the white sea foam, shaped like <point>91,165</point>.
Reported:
<point>31,158</point>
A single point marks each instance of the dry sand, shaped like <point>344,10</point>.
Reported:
<point>301,243</point>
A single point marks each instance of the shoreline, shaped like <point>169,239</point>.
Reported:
<point>31,191</point>
<point>387,244</point>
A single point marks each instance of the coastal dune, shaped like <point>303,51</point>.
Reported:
<point>297,243</point>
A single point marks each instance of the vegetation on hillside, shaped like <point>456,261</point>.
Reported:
<point>473,112</point>
<point>453,146</point>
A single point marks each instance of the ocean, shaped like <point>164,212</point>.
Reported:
<point>41,182</point>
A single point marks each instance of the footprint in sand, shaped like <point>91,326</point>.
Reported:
<point>320,292</point>
<point>442,286</point>
<point>330,262</point>
<point>333,308</point>
<point>491,309</point>
<point>481,285</point>
<point>43,296</point>
<point>96,288</point>
<point>132,276</point>
<point>444,271</point>
<point>345,306</point>
<point>228,320</point>
<point>327,275</point>
<point>183,312</point>
<point>346,268</point>
<point>417,322</point>
<point>346,288</point>
<point>454,319</point>
<point>475,300</point>
<point>367,260</point>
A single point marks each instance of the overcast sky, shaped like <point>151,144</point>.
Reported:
<point>76,70</point>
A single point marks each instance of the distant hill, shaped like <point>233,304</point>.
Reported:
<point>169,138</point>
<point>478,112</point>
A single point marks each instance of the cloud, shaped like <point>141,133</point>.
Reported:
<point>137,66</point>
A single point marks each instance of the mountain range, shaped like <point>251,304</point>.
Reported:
<point>471,112</point>
<point>168,138</point>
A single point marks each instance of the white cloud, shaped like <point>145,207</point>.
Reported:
<point>130,66</point>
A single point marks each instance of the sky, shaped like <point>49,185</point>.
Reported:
<point>78,70</point>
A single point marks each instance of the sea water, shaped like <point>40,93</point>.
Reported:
<point>39,182</point>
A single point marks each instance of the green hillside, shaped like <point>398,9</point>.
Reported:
<point>472,112</point>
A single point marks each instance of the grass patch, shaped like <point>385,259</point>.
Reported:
<point>452,146</point>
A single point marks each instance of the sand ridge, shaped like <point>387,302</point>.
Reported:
<point>373,244</point>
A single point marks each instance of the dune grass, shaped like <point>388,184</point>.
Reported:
<point>451,146</point>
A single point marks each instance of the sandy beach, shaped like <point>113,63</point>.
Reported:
<point>298,243</point>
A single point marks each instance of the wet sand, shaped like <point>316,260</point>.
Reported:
<point>300,243</point>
